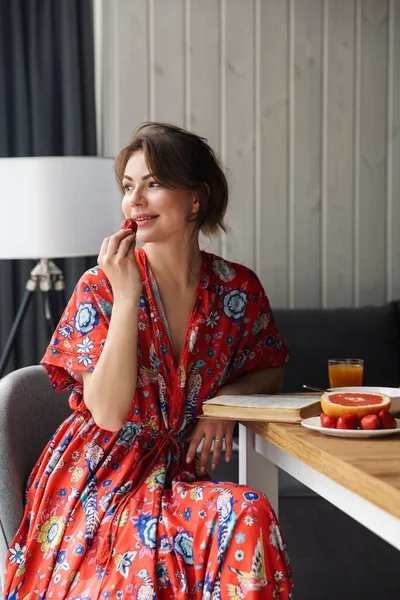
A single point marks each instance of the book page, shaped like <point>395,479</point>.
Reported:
<point>264,401</point>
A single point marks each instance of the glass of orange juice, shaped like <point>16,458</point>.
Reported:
<point>345,372</point>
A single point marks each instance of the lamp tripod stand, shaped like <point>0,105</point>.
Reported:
<point>47,278</point>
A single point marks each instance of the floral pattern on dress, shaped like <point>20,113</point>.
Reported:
<point>121,514</point>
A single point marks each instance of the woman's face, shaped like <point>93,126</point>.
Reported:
<point>159,212</point>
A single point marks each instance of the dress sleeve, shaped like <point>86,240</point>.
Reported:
<point>79,338</point>
<point>260,344</point>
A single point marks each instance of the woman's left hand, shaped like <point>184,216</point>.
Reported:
<point>212,431</point>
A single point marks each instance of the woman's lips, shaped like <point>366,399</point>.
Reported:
<point>143,222</point>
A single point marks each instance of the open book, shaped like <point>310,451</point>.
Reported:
<point>278,408</point>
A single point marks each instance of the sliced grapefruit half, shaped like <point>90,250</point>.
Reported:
<point>338,404</point>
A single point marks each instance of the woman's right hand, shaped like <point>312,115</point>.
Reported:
<point>117,259</point>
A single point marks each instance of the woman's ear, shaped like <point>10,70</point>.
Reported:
<point>196,198</point>
<point>195,204</point>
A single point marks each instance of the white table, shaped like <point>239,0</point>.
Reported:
<point>360,477</point>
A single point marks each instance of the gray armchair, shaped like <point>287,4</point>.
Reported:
<point>30,412</point>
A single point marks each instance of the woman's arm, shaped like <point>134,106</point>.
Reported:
<point>108,391</point>
<point>253,376</point>
<point>110,388</point>
<point>266,381</point>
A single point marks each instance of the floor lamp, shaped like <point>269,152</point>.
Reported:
<point>53,207</point>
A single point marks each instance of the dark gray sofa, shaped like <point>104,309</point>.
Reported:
<point>315,335</point>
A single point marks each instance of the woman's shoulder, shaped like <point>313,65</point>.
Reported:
<point>232,273</point>
<point>94,274</point>
<point>94,281</point>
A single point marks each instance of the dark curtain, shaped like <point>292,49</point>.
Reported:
<point>47,107</point>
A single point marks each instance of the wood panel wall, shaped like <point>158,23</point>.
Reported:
<point>301,99</point>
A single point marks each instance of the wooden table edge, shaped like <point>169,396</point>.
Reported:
<point>372,489</point>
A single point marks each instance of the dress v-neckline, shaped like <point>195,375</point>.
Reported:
<point>157,308</point>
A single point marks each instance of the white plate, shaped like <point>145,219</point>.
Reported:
<point>393,393</point>
<point>315,423</point>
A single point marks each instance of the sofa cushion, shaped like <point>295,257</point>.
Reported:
<point>315,335</point>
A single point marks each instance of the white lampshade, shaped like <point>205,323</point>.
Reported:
<point>57,206</point>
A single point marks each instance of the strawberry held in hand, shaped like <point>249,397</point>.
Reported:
<point>129,224</point>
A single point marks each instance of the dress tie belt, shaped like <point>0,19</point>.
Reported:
<point>144,468</point>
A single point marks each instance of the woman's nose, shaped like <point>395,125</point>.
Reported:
<point>137,198</point>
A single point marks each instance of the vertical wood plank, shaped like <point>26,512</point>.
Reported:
<point>109,77</point>
<point>273,131</point>
<point>222,129</point>
<point>291,148</point>
<point>257,134</point>
<point>240,130</point>
<point>373,152</point>
<point>98,39</point>
<point>204,109</point>
<point>339,160</point>
<point>307,154</point>
<point>389,142</point>
<point>133,70</point>
<point>356,150</point>
<point>324,150</point>
<point>169,64</point>
<point>394,140</point>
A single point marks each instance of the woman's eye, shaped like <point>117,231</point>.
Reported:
<point>154,184</point>
<point>127,187</point>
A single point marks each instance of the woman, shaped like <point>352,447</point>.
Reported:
<point>118,505</point>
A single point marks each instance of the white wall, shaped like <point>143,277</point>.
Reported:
<point>301,98</point>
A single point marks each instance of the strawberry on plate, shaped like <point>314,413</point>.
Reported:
<point>387,420</point>
<point>371,421</point>
<point>347,422</point>
<point>328,421</point>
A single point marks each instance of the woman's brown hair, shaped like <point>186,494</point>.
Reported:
<point>180,159</point>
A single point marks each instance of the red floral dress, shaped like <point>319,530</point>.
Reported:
<point>120,514</point>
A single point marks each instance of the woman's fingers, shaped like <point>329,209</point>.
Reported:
<point>120,243</point>
<point>194,444</point>
<point>126,245</point>
<point>218,446</point>
<point>103,249</point>
<point>116,240</point>
<point>205,452</point>
<point>118,261</point>
<point>229,441</point>
<point>132,248</point>
<point>213,434</point>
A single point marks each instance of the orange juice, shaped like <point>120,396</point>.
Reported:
<point>342,375</point>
